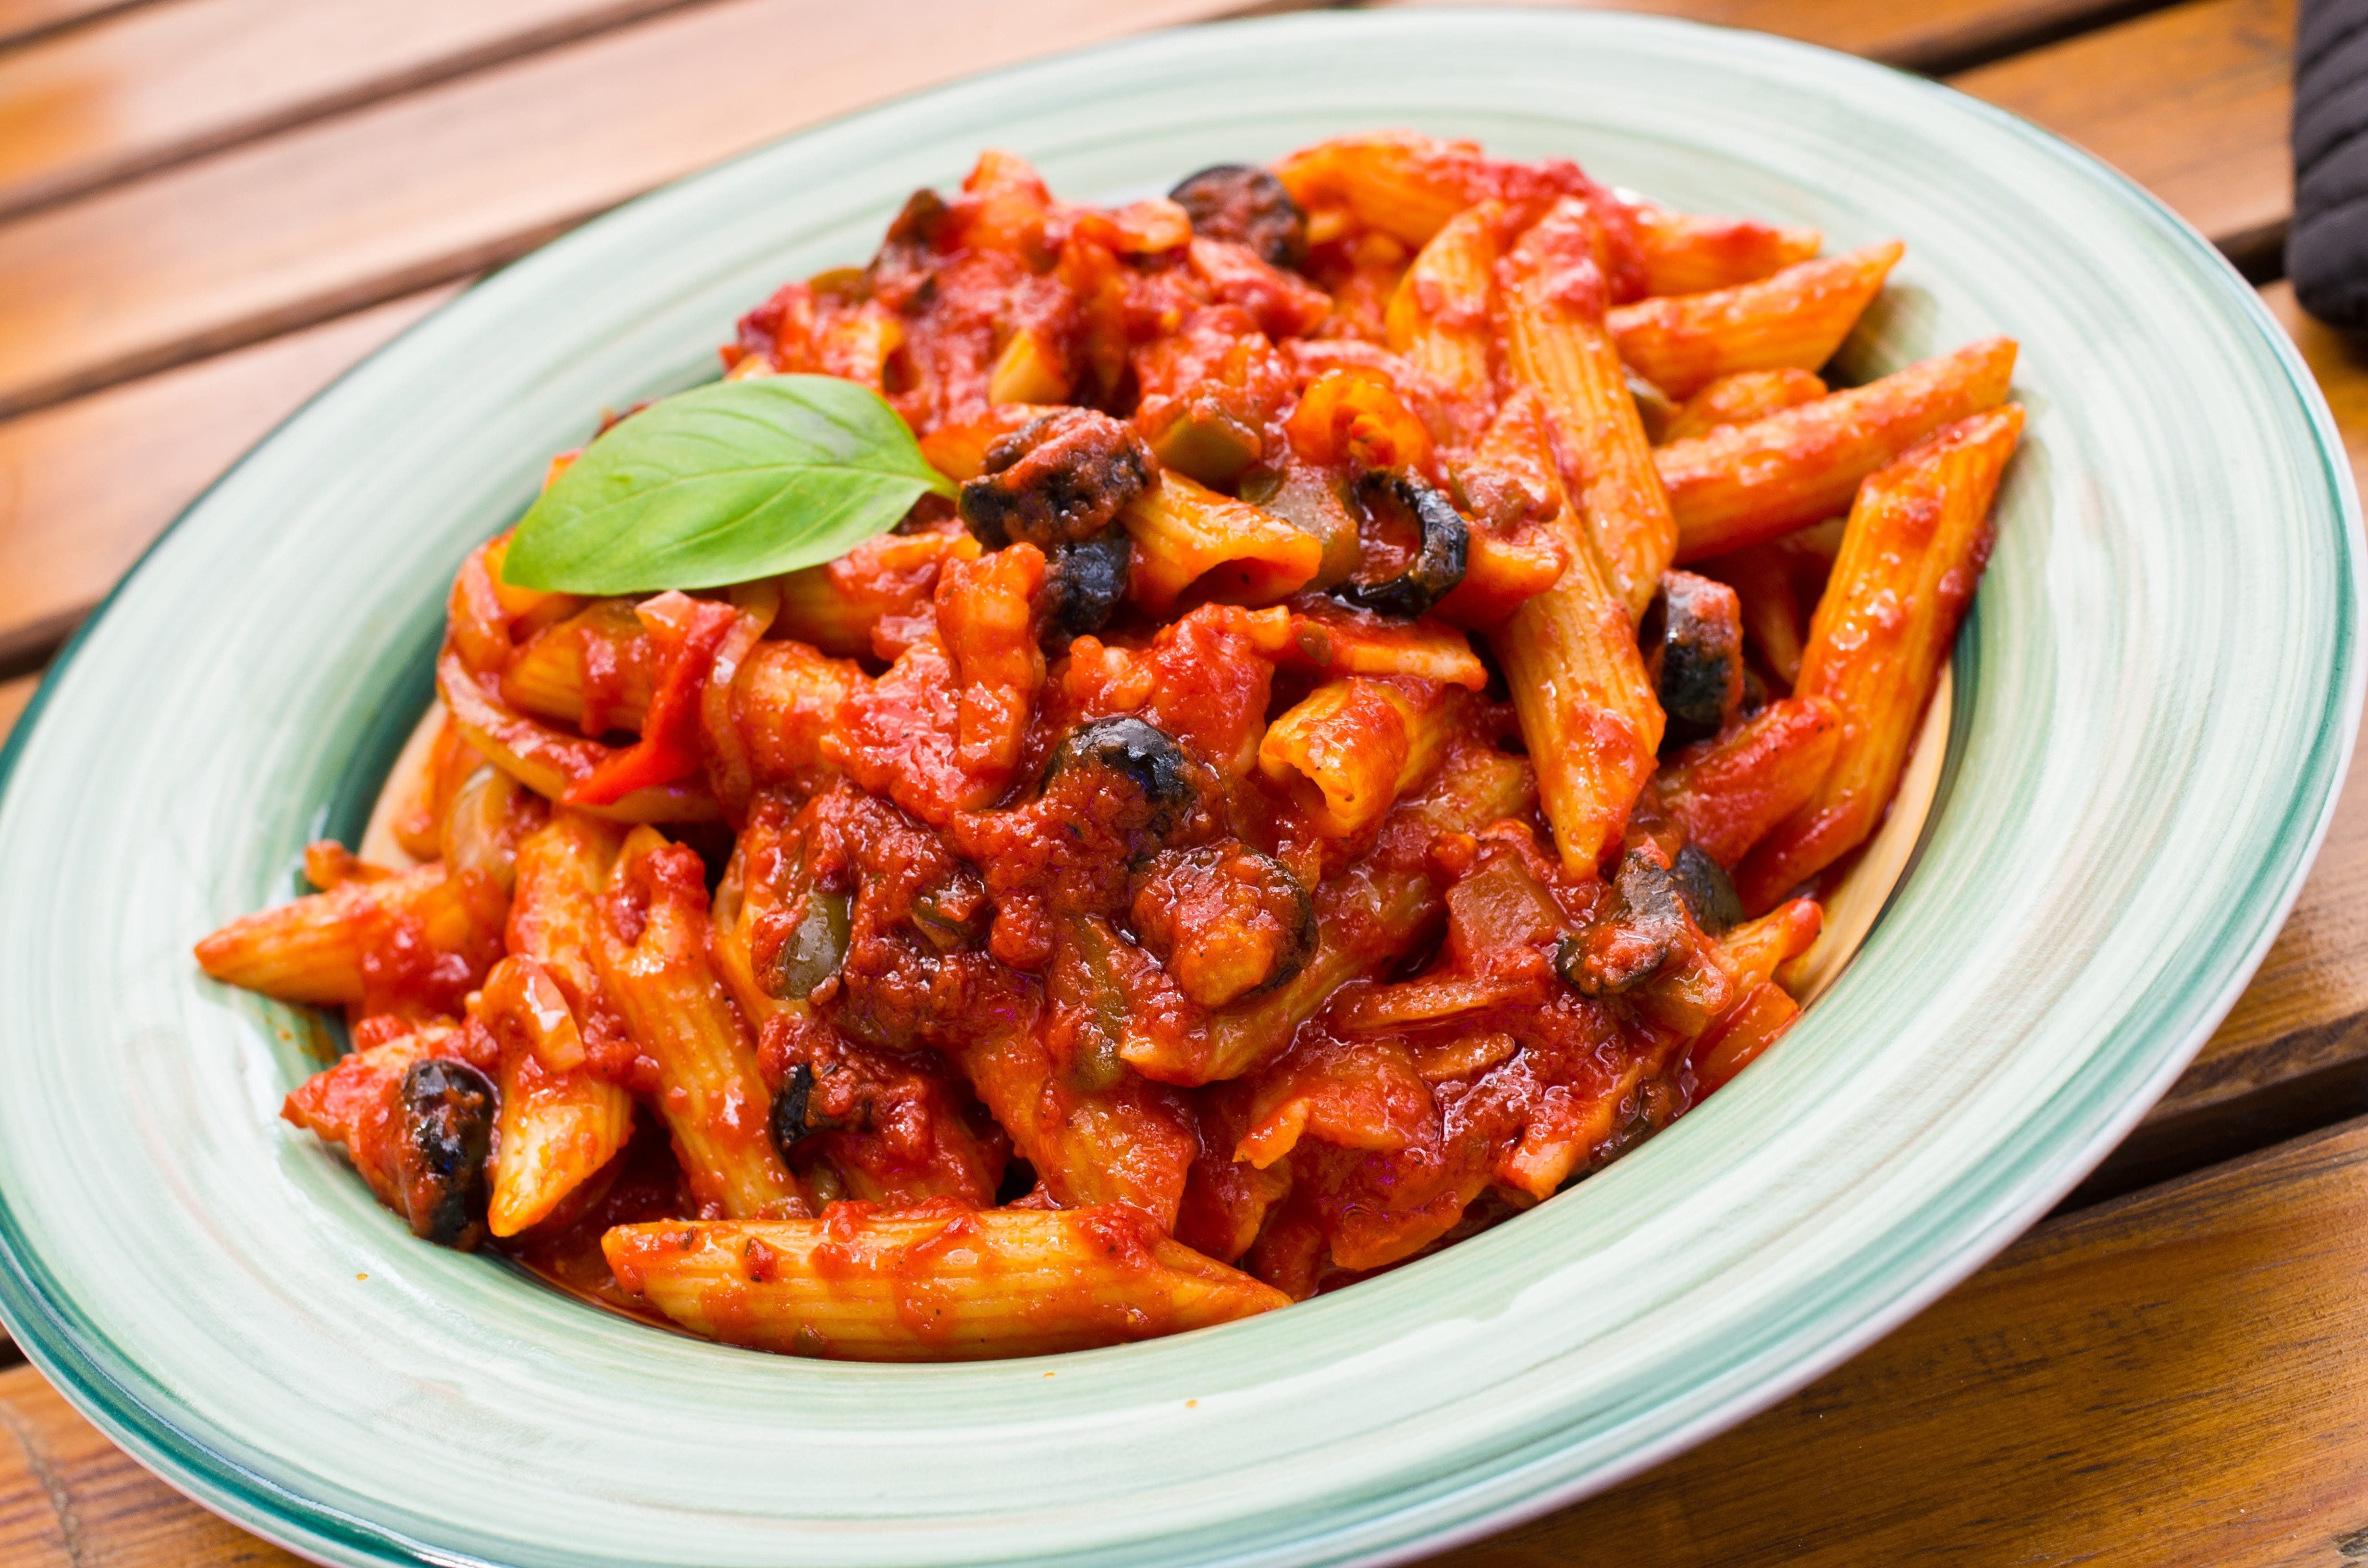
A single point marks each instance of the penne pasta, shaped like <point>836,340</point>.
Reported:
<point>362,936</point>
<point>1791,320</point>
<point>1557,345</point>
<point>561,1121</point>
<point>1351,747</point>
<point>1914,549</point>
<point>1686,253</point>
<point>1727,793</point>
<point>937,1283</point>
<point>839,605</point>
<point>1588,711</point>
<point>1189,538</point>
<point>1124,859</point>
<point>651,947</point>
<point>1439,320</point>
<point>1743,486</point>
<point>1364,920</point>
<point>1741,398</point>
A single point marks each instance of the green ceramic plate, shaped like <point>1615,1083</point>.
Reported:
<point>2156,702</point>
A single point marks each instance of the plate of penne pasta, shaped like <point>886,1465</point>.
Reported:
<point>1257,797</point>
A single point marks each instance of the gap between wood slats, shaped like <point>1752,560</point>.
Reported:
<point>85,485</point>
<point>164,85</point>
<point>1932,35</point>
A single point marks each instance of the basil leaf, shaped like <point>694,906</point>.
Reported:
<point>723,483</point>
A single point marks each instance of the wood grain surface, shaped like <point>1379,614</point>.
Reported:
<point>1922,35</point>
<point>2191,102</point>
<point>163,83</point>
<point>2174,1378</point>
<point>443,182</point>
<point>21,22</point>
<point>440,183</point>
<point>85,485</point>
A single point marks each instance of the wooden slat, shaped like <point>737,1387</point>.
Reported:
<point>2174,1378</point>
<point>70,1499</point>
<point>1921,34</point>
<point>443,182</point>
<point>166,83</point>
<point>85,485</point>
<point>2191,102</point>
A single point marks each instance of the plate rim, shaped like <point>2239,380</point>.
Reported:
<point>54,1342</point>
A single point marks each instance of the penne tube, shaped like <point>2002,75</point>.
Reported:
<point>318,948</point>
<point>1438,318</point>
<point>939,1282</point>
<point>1402,185</point>
<point>1791,320</point>
<point>837,606</point>
<point>1741,1036</point>
<point>1748,484</point>
<point>1557,345</point>
<point>1728,792</point>
<point>552,677</point>
<point>1753,952</point>
<point>1335,640</point>
<point>1741,398</point>
<point>1588,711</point>
<point>559,1121</point>
<point>550,762</point>
<point>1376,914</point>
<point>1351,747</point>
<point>1189,537</point>
<point>657,976</point>
<point>556,1130</point>
<point>785,699</point>
<point>1911,558</point>
<point>1687,253</point>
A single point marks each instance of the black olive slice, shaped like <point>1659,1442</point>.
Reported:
<point>1083,584</point>
<point>1704,884</point>
<point>1437,567</point>
<point>1134,757</point>
<point>448,1131</point>
<point>1247,206</point>
<point>1693,649</point>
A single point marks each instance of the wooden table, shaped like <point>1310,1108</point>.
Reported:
<point>209,207</point>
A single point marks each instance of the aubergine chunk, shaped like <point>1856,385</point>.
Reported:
<point>1224,920</point>
<point>1060,478</point>
<point>1247,206</point>
<point>1439,563</point>
<point>447,1132</point>
<point>1692,637</point>
<point>1083,585</point>
<point>1645,925</point>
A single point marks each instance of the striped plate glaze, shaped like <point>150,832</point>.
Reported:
<point>2156,701</point>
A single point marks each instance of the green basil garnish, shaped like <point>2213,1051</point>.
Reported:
<point>723,483</point>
